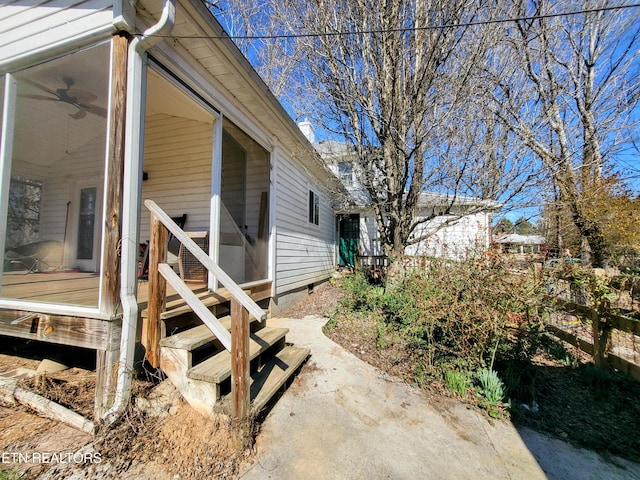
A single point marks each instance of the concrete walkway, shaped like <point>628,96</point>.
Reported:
<point>344,419</point>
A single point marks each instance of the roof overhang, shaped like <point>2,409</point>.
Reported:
<point>241,94</point>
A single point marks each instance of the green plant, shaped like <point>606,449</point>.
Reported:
<point>360,296</point>
<point>9,475</point>
<point>331,324</point>
<point>399,306</point>
<point>557,351</point>
<point>383,336</point>
<point>597,288</point>
<point>457,382</point>
<point>490,387</point>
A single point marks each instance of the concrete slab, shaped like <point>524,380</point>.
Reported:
<point>344,419</point>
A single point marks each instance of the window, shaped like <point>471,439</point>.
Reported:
<point>345,171</point>
<point>314,208</point>
<point>23,216</point>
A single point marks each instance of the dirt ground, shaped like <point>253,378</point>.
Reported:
<point>160,436</point>
<point>176,442</point>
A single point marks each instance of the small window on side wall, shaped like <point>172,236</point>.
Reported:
<point>314,208</point>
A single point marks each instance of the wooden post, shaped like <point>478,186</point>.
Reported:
<point>107,357</point>
<point>601,337</point>
<point>152,325</point>
<point>115,170</point>
<point>240,368</point>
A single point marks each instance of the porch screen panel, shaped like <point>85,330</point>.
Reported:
<point>53,229</point>
<point>1,99</point>
<point>244,215</point>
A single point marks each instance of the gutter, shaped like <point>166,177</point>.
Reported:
<point>134,125</point>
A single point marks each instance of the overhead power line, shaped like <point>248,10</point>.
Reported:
<point>404,29</point>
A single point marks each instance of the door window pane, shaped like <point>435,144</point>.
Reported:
<point>86,223</point>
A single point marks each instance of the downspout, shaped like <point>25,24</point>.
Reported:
<point>134,125</point>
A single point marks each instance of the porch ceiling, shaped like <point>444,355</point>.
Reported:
<point>240,85</point>
<point>168,100</point>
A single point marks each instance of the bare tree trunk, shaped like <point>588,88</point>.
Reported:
<point>568,101</point>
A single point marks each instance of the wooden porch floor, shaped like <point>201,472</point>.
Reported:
<point>73,288</point>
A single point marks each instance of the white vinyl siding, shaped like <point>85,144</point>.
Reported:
<point>304,252</point>
<point>87,162</point>
<point>459,238</point>
<point>462,237</point>
<point>369,236</point>
<point>177,158</point>
<point>27,26</point>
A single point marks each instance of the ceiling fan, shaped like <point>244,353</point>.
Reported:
<point>81,99</point>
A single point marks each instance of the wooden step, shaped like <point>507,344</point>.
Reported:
<point>194,337</point>
<point>218,368</point>
<point>267,381</point>
<point>257,290</point>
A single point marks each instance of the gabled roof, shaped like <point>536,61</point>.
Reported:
<point>429,199</point>
<point>333,152</point>
<point>518,239</point>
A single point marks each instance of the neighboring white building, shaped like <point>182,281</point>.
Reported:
<point>464,229</point>
<point>516,243</point>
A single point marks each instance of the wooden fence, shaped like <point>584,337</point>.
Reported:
<point>594,333</point>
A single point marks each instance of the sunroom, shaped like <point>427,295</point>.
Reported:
<point>74,182</point>
<point>56,182</point>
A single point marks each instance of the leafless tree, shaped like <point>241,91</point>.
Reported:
<point>395,79</point>
<point>258,29</point>
<point>567,87</point>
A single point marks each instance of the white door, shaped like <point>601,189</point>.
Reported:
<point>85,217</point>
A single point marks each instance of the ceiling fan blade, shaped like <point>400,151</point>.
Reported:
<point>96,110</point>
<point>82,96</point>
<point>40,97</point>
<point>38,86</point>
<point>79,114</point>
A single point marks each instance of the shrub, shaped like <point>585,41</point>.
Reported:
<point>452,317</point>
<point>361,295</point>
<point>460,313</point>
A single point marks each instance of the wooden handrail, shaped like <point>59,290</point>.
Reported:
<point>208,318</point>
<point>207,262</point>
<point>237,342</point>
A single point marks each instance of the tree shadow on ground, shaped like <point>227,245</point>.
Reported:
<point>590,407</point>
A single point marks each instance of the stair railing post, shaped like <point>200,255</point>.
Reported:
<point>152,325</point>
<point>240,367</point>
